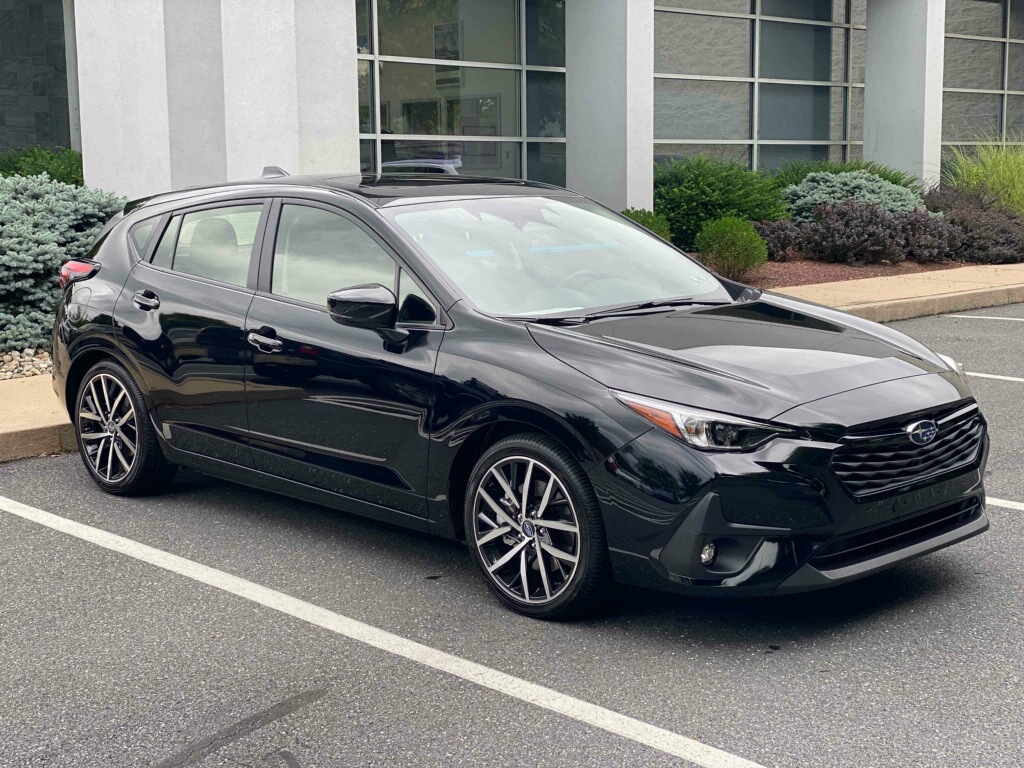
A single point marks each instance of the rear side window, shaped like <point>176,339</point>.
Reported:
<point>318,252</point>
<point>141,233</point>
<point>215,243</point>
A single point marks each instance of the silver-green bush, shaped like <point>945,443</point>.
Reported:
<point>43,223</point>
<point>819,189</point>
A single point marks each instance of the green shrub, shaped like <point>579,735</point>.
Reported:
<point>62,164</point>
<point>997,169</point>
<point>692,191</point>
<point>788,174</point>
<point>820,189</point>
<point>731,247</point>
<point>43,223</point>
<point>654,222</point>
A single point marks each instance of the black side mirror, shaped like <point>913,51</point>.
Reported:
<point>373,307</point>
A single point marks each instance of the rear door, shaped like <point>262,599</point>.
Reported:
<point>181,315</point>
<point>332,406</point>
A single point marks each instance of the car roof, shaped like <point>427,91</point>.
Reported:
<point>377,190</point>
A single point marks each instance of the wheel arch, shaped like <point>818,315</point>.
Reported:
<point>86,358</point>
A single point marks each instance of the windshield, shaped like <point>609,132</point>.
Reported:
<point>534,256</point>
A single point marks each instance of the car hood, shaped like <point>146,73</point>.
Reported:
<point>756,358</point>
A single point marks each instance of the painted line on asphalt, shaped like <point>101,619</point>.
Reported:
<point>993,376</point>
<point>989,317</point>
<point>613,722</point>
<point>989,501</point>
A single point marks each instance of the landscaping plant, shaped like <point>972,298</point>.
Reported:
<point>988,232</point>
<point>855,233</point>
<point>654,222</point>
<point>793,172</point>
<point>690,192</point>
<point>731,247</point>
<point>61,164</point>
<point>828,189</point>
<point>996,168</point>
<point>43,223</point>
<point>783,238</point>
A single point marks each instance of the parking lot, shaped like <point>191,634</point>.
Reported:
<point>285,634</point>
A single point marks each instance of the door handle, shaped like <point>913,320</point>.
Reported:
<point>146,300</point>
<point>264,343</point>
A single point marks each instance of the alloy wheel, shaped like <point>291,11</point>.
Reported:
<point>526,530</point>
<point>108,428</point>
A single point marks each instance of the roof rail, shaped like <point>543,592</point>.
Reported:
<point>273,172</point>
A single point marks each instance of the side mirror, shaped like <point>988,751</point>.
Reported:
<point>373,307</point>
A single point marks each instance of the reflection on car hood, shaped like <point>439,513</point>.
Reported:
<point>755,359</point>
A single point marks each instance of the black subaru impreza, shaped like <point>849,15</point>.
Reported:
<point>512,365</point>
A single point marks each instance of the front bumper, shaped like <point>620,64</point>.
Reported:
<point>781,520</point>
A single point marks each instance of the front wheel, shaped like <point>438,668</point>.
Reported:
<point>116,440</point>
<point>534,529</point>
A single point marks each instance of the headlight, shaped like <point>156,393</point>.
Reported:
<point>954,365</point>
<point>701,429</point>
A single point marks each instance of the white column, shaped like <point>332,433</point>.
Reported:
<point>609,59</point>
<point>903,85</point>
<point>122,85</point>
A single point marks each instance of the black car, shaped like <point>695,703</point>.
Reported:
<point>512,365</point>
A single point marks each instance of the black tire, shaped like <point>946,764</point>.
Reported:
<point>105,457</point>
<point>589,579</point>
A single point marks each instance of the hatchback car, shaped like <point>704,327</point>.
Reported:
<point>512,365</point>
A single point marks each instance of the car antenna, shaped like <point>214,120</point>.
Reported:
<point>273,172</point>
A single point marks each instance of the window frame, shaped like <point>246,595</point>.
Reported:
<point>154,236</point>
<point>264,280</point>
<point>254,256</point>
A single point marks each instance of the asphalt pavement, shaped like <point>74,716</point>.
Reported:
<point>106,660</point>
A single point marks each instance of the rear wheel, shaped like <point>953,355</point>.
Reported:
<point>534,529</point>
<point>115,437</point>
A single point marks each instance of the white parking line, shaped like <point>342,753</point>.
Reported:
<point>643,733</point>
<point>988,317</point>
<point>993,376</point>
<point>1004,503</point>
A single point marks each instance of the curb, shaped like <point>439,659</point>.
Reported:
<point>25,442</point>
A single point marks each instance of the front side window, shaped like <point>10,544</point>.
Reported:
<point>530,256</point>
<point>216,244</point>
<point>318,252</point>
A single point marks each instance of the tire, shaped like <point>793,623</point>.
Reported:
<point>561,554</point>
<point>111,418</point>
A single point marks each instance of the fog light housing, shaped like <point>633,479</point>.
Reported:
<point>708,553</point>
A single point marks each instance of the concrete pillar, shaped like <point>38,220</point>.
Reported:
<point>71,63</point>
<point>903,85</point>
<point>609,84</point>
<point>178,93</point>
<point>122,83</point>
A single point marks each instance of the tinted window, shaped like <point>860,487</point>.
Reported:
<point>413,304</point>
<point>318,252</point>
<point>141,233</point>
<point>217,243</point>
<point>165,250</point>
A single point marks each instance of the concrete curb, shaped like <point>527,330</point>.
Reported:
<point>926,306</point>
<point>25,442</point>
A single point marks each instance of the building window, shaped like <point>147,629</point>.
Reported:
<point>760,82</point>
<point>462,87</point>
<point>983,83</point>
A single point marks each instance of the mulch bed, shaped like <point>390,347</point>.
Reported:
<point>778,274</point>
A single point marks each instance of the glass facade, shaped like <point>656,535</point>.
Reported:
<point>759,81</point>
<point>983,78</point>
<point>468,87</point>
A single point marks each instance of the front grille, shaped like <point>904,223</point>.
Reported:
<point>872,542</point>
<point>881,459</point>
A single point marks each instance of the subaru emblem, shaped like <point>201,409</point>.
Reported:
<point>922,432</point>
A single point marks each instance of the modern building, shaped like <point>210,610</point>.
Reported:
<point>586,93</point>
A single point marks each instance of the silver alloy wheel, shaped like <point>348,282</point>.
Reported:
<point>108,427</point>
<point>526,531</point>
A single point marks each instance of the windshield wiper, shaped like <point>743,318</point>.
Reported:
<point>623,310</point>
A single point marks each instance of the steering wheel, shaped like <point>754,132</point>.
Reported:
<point>577,280</point>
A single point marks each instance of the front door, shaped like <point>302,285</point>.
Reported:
<point>331,406</point>
<point>182,314</point>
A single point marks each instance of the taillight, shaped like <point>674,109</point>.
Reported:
<point>75,270</point>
